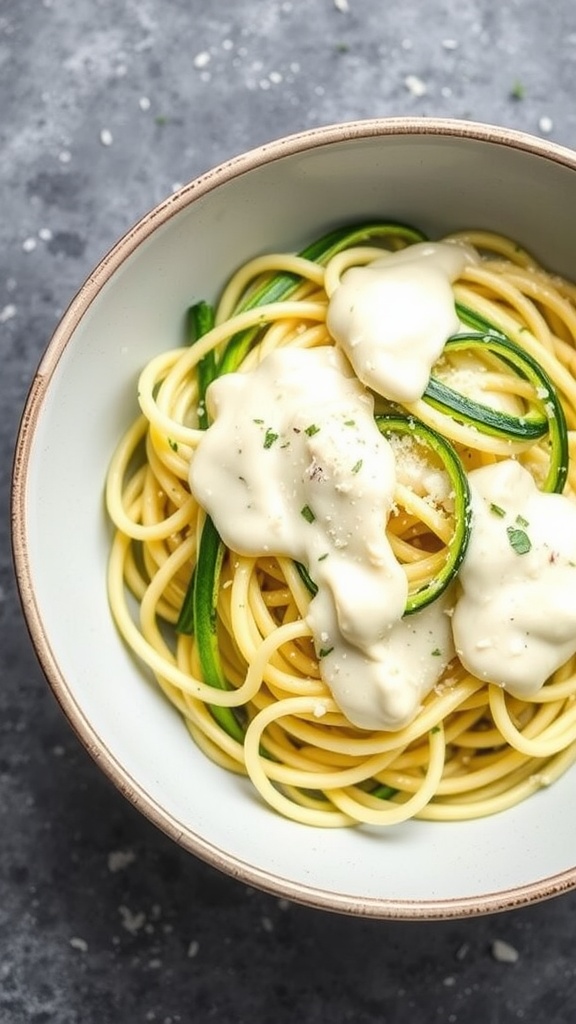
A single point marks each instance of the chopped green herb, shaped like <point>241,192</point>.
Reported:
<point>519,540</point>
<point>349,423</point>
<point>269,438</point>
<point>311,430</point>
<point>325,651</point>
<point>435,728</point>
<point>258,421</point>
<point>173,444</point>
<point>322,557</point>
<point>437,653</point>
<point>518,91</point>
<point>384,792</point>
<point>357,466</point>
<point>497,510</point>
<point>521,521</point>
<point>308,514</point>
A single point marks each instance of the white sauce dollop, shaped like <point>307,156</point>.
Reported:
<point>515,622</point>
<point>383,686</point>
<point>294,464</point>
<point>393,316</point>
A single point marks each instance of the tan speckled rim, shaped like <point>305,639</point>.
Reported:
<point>485,903</point>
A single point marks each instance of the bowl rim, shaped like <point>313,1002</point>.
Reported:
<point>380,907</point>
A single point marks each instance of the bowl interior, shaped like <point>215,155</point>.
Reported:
<point>440,177</point>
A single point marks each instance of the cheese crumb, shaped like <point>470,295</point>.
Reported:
<point>415,85</point>
<point>201,59</point>
<point>504,953</point>
<point>120,859</point>
<point>8,313</point>
<point>132,922</point>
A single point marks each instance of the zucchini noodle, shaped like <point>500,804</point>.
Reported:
<point>225,636</point>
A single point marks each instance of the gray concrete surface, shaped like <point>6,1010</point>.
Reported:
<point>104,107</point>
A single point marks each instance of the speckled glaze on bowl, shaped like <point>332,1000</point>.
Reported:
<point>438,175</point>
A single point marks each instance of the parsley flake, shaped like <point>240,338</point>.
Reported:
<point>518,91</point>
<point>269,438</point>
<point>322,557</point>
<point>311,430</point>
<point>521,521</point>
<point>307,513</point>
<point>436,653</point>
<point>497,510</point>
<point>325,651</point>
<point>519,540</point>
<point>357,466</point>
<point>173,444</point>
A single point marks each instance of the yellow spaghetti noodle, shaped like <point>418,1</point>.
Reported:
<point>472,750</point>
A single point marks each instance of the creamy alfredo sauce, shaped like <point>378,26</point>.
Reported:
<point>392,317</point>
<point>515,622</point>
<point>295,465</point>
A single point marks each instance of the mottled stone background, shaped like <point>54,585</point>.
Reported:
<point>105,106</point>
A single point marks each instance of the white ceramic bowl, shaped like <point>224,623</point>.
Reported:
<point>438,175</point>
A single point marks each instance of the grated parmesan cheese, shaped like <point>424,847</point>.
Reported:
<point>504,953</point>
